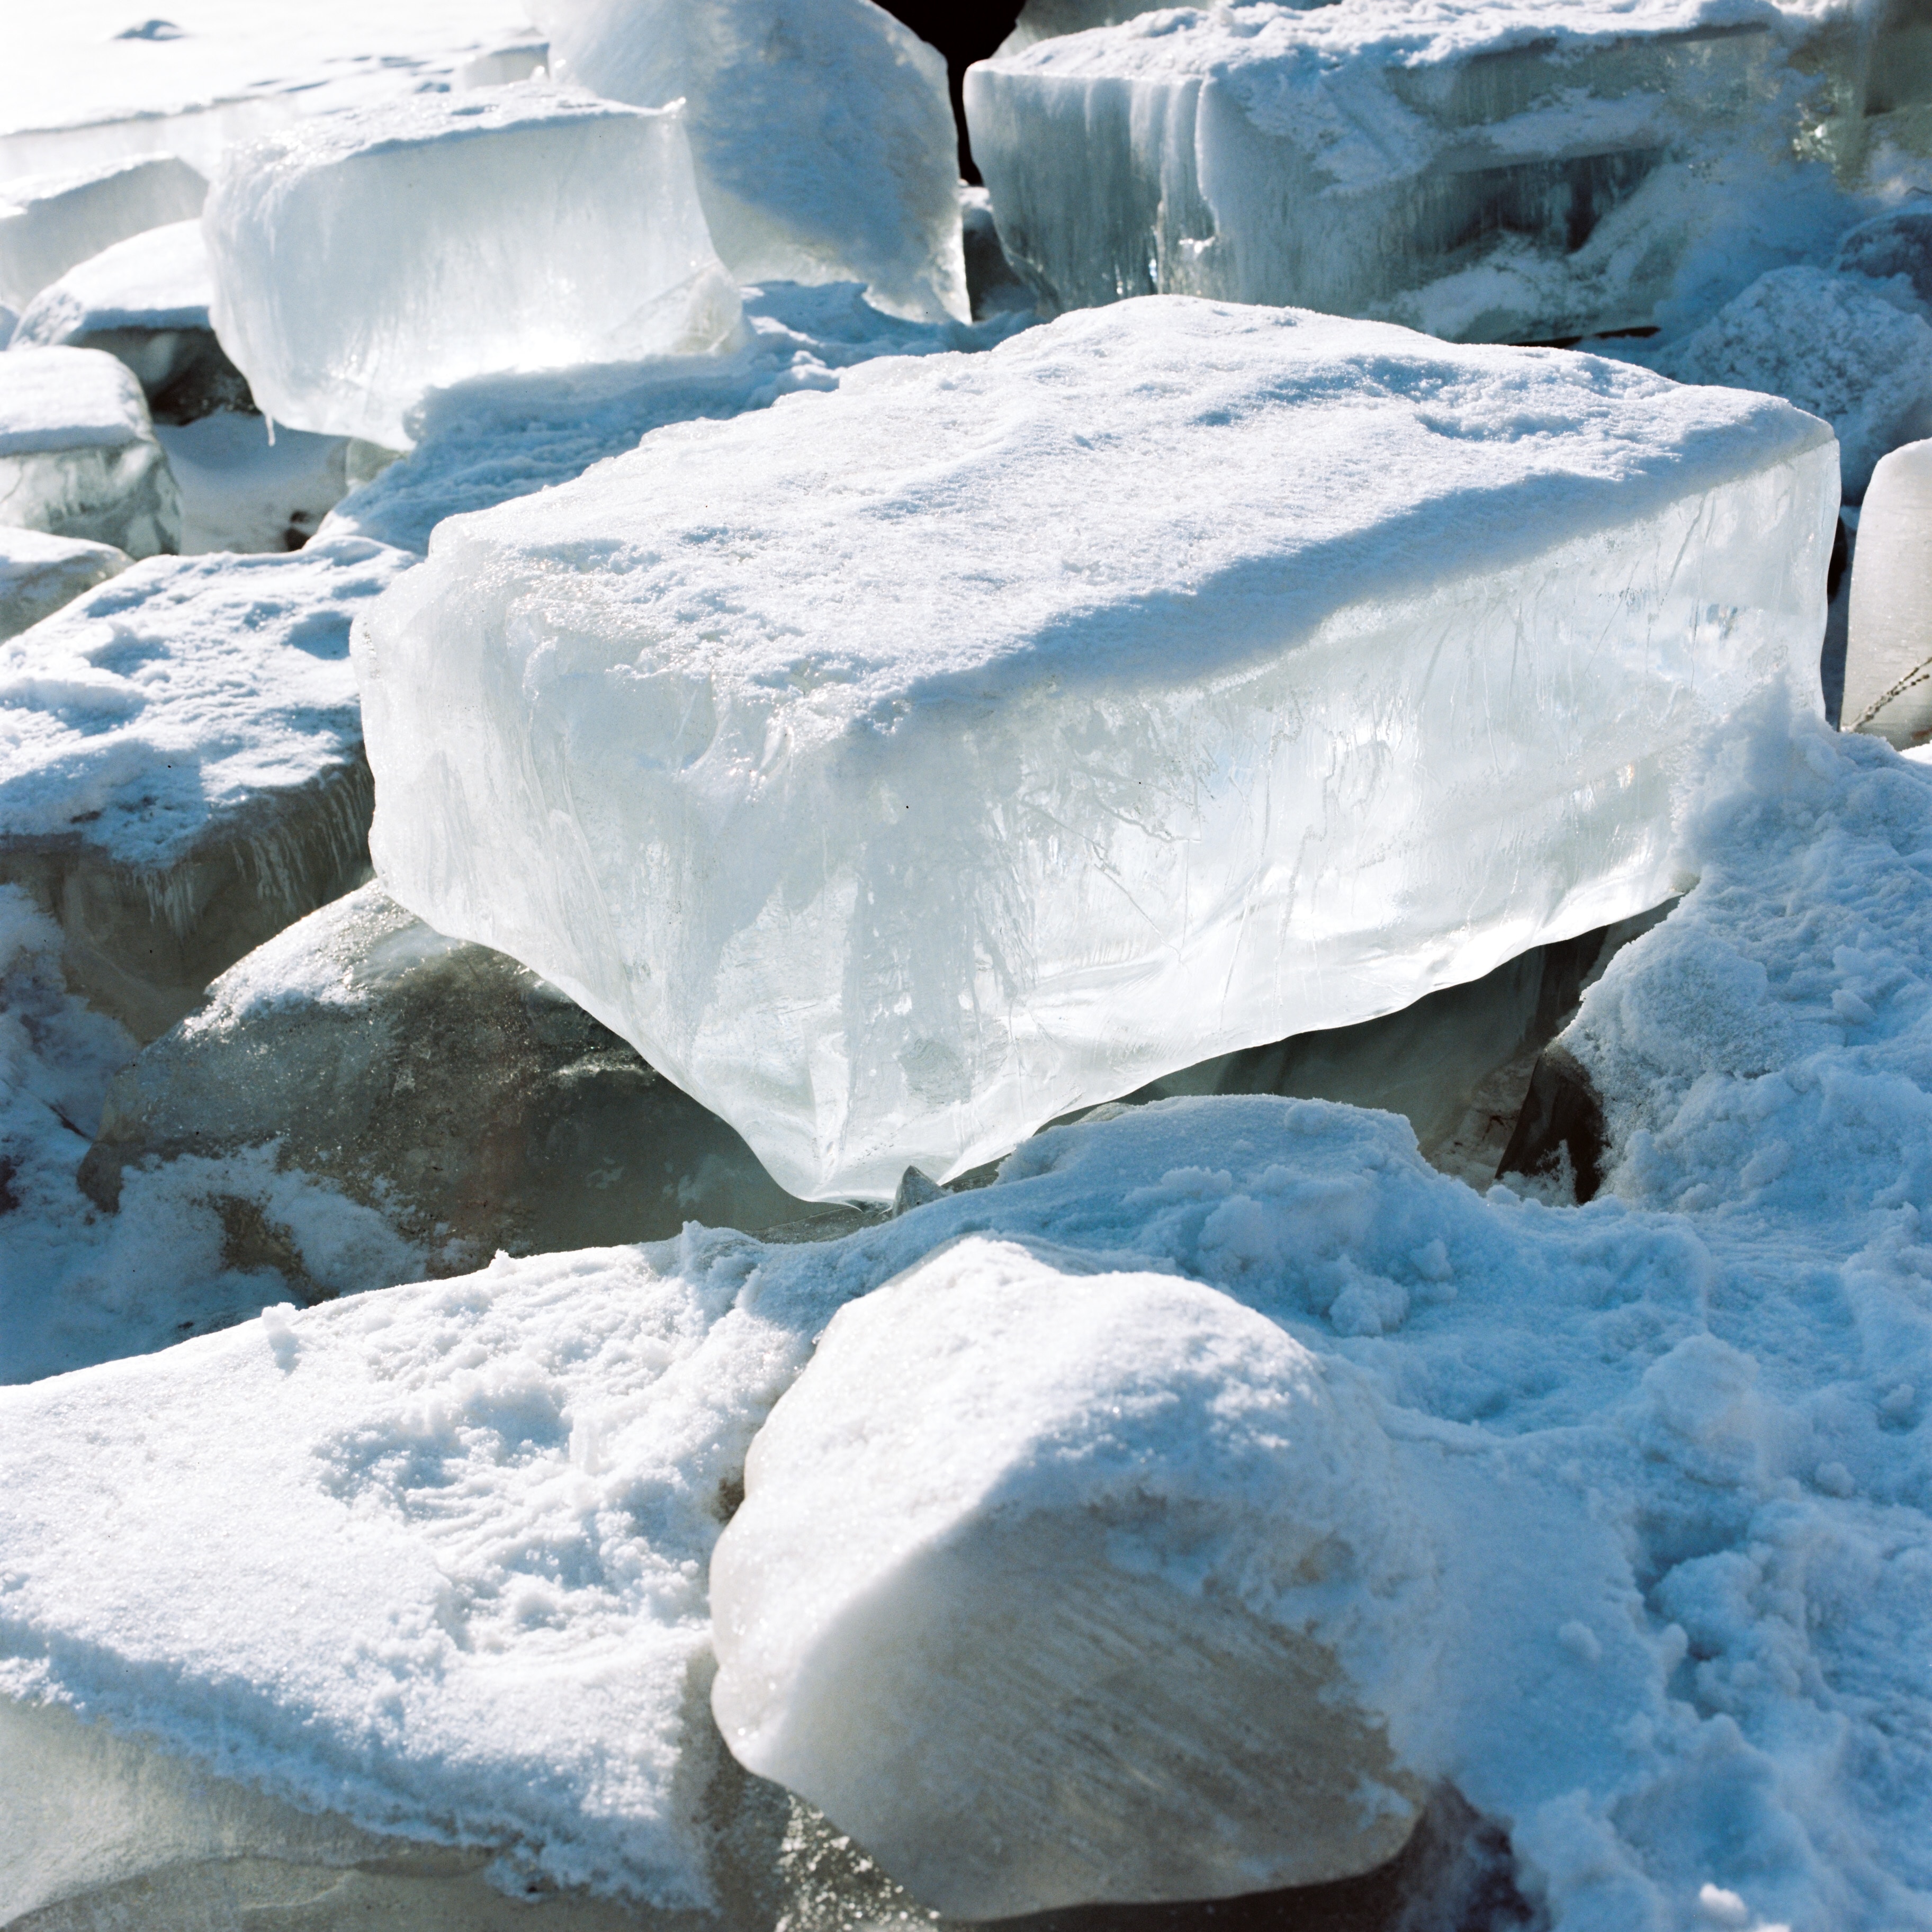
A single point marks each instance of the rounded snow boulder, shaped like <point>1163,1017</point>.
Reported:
<point>1051,1588</point>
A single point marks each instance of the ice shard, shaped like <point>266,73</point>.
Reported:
<point>78,453</point>
<point>1057,1587</point>
<point>822,133</point>
<point>363,260</point>
<point>49,224</point>
<point>1511,171</point>
<point>900,769</point>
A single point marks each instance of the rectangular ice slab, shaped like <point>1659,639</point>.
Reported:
<point>363,260</point>
<point>48,225</point>
<point>1488,170</point>
<point>78,455</point>
<point>899,769</point>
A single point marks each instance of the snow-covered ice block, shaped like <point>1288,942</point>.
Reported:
<point>1485,169</point>
<point>48,224</point>
<point>1842,347</point>
<point>146,300</point>
<point>363,260</point>
<point>901,769</point>
<point>822,131</point>
<point>39,574</point>
<point>1889,647</point>
<point>1053,1590</point>
<point>240,491</point>
<point>523,58</point>
<point>181,773</point>
<point>438,1083</point>
<point>78,453</point>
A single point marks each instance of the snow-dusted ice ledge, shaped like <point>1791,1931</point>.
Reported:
<point>900,769</point>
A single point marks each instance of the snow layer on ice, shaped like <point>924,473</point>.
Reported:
<point>822,131</point>
<point>1889,650</point>
<point>363,259</point>
<point>81,88</point>
<point>240,491</point>
<point>157,279</point>
<point>48,224</point>
<point>1484,169</point>
<point>1674,1443</point>
<point>1856,352</point>
<point>78,455</point>
<point>1009,730</point>
<point>39,574</point>
<point>482,443</point>
<point>1056,1590</point>
<point>137,717</point>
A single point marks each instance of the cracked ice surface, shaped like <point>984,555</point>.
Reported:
<point>900,769</point>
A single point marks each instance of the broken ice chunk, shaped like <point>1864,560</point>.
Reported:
<point>1503,170</point>
<point>822,131</point>
<point>899,769</point>
<point>39,574</point>
<point>1057,1587</point>
<point>146,300</point>
<point>1888,647</point>
<point>49,224</point>
<point>181,773</point>
<point>438,1083</point>
<point>363,260</point>
<point>78,453</point>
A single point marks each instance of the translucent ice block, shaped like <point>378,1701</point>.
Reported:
<point>78,453</point>
<point>899,769</point>
<point>48,223</point>
<point>822,131</point>
<point>364,259</point>
<point>1888,652</point>
<point>1510,170</point>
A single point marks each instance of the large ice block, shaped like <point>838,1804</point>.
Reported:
<point>899,769</point>
<point>78,453</point>
<point>48,224</point>
<point>1499,170</point>
<point>364,259</point>
<point>1053,1588</point>
<point>822,131</point>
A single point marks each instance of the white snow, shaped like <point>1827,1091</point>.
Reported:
<point>1856,351</point>
<point>240,491</point>
<point>138,716</point>
<point>363,259</point>
<point>1005,731</point>
<point>157,279</point>
<point>1053,1589</point>
<point>49,223</point>
<point>1484,169</point>
<point>1671,1447</point>
<point>78,456</point>
<point>822,132</point>
<point>38,574</point>
<point>1888,647</point>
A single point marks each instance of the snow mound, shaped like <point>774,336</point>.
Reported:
<point>48,224</point>
<point>39,574</point>
<point>1889,649</point>
<point>1052,1589</point>
<point>78,455</point>
<point>1841,347</point>
<point>363,259</point>
<point>822,132</point>
<point>1006,731</point>
<point>180,766</point>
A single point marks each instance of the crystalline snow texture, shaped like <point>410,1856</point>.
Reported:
<point>901,769</point>
<point>1528,160</point>
<point>364,259</point>
<point>1888,652</point>
<point>39,574</point>
<point>1041,1589</point>
<point>48,225</point>
<point>822,131</point>
<point>78,455</point>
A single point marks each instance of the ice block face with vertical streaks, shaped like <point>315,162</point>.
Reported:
<point>900,769</point>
